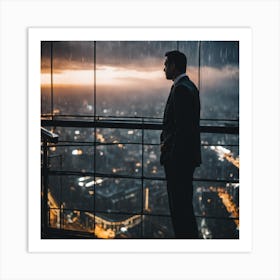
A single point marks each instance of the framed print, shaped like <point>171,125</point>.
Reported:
<point>92,94</point>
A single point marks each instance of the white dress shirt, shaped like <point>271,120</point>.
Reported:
<point>178,78</point>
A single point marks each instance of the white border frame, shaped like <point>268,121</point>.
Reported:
<point>243,35</point>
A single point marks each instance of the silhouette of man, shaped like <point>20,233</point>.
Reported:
<point>180,144</point>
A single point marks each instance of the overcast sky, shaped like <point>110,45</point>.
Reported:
<point>135,69</point>
<point>135,66</point>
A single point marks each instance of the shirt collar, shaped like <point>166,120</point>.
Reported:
<point>178,78</point>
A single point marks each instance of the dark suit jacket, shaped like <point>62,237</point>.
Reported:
<point>181,132</point>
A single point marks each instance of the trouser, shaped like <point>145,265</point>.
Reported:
<point>180,196</point>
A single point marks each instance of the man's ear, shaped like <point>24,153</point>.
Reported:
<point>171,68</point>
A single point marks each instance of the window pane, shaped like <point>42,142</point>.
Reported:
<point>72,157</point>
<point>67,192</point>
<point>130,78</point>
<point>152,167</point>
<point>217,228</point>
<point>157,227</point>
<point>118,225</point>
<point>119,159</point>
<point>220,157</point>
<point>219,80</point>
<point>152,137</point>
<point>217,206</point>
<point>46,78</point>
<point>155,197</point>
<point>73,78</point>
<point>191,50</point>
<point>118,195</point>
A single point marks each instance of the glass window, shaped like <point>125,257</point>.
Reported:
<point>108,180</point>
<point>46,78</point>
<point>73,76</point>
<point>191,50</point>
<point>219,80</point>
<point>130,78</point>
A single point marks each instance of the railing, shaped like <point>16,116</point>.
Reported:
<point>128,125</point>
<point>141,124</point>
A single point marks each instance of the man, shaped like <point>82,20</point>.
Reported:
<point>180,144</point>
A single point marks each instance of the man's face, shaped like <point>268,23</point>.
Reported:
<point>169,69</point>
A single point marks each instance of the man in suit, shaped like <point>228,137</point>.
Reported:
<point>180,144</point>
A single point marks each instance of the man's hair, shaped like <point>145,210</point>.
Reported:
<point>179,59</point>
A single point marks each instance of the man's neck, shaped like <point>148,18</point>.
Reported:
<point>178,77</point>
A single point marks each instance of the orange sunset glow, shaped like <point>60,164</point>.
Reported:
<point>112,76</point>
<point>105,75</point>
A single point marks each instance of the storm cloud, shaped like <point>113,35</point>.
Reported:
<point>149,55</point>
